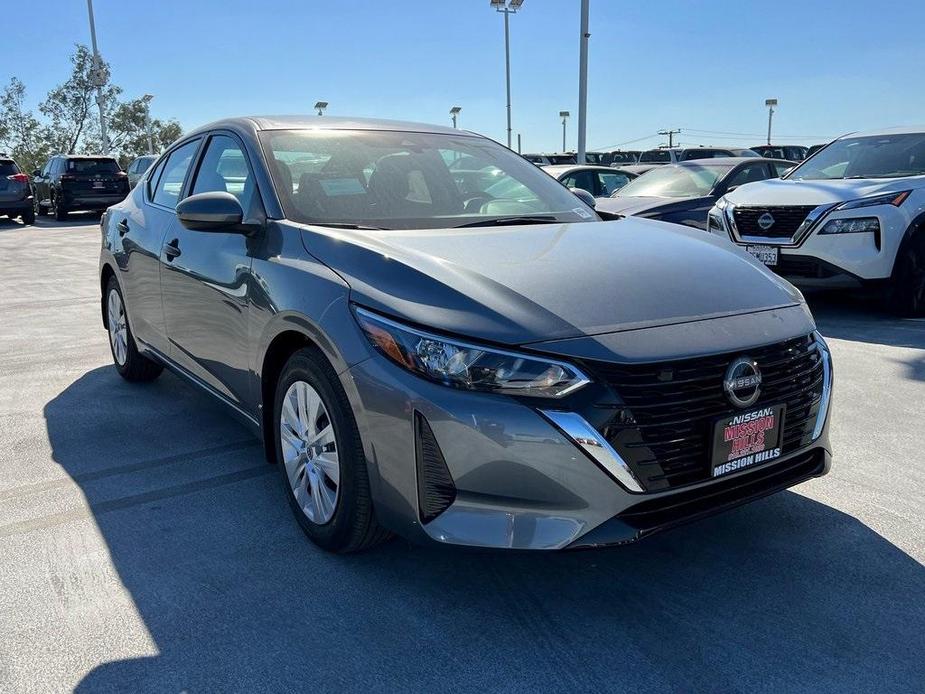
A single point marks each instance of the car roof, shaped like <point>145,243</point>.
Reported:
<point>898,130</point>
<point>256,123</point>
<point>85,156</point>
<point>729,161</point>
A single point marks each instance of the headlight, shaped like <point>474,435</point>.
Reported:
<point>466,366</point>
<point>895,199</point>
<point>826,384</point>
<point>856,225</point>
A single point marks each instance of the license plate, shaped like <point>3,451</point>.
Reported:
<point>750,438</point>
<point>766,254</point>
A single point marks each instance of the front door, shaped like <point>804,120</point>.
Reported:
<point>205,278</point>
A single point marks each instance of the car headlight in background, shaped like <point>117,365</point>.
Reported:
<point>466,366</point>
<point>895,199</point>
<point>854,225</point>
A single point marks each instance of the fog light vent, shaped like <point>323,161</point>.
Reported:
<point>436,490</point>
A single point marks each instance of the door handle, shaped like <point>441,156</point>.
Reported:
<point>172,250</point>
<point>122,227</point>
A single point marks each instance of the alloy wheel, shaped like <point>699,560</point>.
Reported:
<point>310,452</point>
<point>118,331</point>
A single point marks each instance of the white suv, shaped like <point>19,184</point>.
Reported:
<point>852,214</point>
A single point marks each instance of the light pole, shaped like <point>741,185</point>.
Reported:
<point>454,112</point>
<point>770,103</point>
<point>321,105</point>
<point>98,79</point>
<point>564,116</point>
<point>583,82</point>
<point>507,7</point>
<point>147,99</point>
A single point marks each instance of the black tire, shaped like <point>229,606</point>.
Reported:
<point>908,295</point>
<point>28,217</point>
<point>40,209</point>
<point>59,212</point>
<point>353,526</point>
<point>136,368</point>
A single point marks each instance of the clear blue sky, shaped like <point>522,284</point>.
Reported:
<point>655,64</point>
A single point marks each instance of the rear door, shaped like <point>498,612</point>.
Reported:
<point>205,278</point>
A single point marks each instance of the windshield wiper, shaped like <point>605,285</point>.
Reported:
<point>348,225</point>
<point>505,221</point>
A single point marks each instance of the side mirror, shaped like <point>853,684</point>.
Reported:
<point>216,211</point>
<point>36,173</point>
<point>584,196</point>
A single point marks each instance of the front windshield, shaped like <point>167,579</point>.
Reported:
<point>397,180</point>
<point>881,156</point>
<point>675,181</point>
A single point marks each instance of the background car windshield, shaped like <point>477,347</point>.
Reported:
<point>401,180</point>
<point>92,166</point>
<point>675,181</point>
<point>884,156</point>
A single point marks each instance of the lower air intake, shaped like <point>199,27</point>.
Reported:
<point>436,490</point>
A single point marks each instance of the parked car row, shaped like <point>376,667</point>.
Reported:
<point>434,338</point>
<point>66,183</point>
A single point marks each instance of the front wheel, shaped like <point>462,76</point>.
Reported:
<point>908,296</point>
<point>130,363</point>
<point>320,457</point>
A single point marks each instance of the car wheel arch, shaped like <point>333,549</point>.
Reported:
<point>916,229</point>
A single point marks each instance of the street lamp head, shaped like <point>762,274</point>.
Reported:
<point>320,106</point>
<point>455,110</point>
<point>507,5</point>
<point>564,114</point>
<point>770,102</point>
<point>147,98</point>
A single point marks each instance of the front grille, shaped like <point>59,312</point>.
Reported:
<point>787,219</point>
<point>663,425</point>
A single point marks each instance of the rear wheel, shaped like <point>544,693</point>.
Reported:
<point>130,363</point>
<point>908,296</point>
<point>57,211</point>
<point>28,217</point>
<point>320,457</point>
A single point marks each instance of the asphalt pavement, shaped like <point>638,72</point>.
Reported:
<point>145,545</point>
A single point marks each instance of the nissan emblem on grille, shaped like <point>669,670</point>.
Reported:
<point>766,221</point>
<point>742,382</point>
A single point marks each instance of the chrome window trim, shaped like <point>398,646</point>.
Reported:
<point>594,445</point>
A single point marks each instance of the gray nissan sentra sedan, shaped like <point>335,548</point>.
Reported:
<point>464,355</point>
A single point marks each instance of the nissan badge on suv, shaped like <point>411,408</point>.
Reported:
<point>459,360</point>
<point>851,215</point>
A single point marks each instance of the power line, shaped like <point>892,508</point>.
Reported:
<point>726,132</point>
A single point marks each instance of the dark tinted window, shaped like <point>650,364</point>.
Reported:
<point>170,184</point>
<point>92,166</point>
<point>581,179</point>
<point>622,158</point>
<point>224,169</point>
<point>655,156</point>
<point>748,174</point>
<point>8,167</point>
<point>152,178</point>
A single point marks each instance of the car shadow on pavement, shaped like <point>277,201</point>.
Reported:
<point>864,317</point>
<point>786,594</point>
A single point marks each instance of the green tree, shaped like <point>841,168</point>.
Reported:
<point>71,106</point>
<point>22,136</point>
<point>128,135</point>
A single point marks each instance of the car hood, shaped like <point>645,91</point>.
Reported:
<point>642,205</point>
<point>797,192</point>
<point>522,284</point>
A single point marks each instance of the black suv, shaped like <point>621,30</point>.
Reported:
<point>15,192</point>
<point>72,182</point>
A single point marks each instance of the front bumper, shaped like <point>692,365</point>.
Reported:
<point>521,483</point>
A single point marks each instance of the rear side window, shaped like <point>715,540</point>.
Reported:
<point>92,166</point>
<point>168,188</point>
<point>8,167</point>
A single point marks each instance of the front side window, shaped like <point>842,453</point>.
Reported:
<point>676,181</point>
<point>611,182</point>
<point>401,180</point>
<point>748,174</point>
<point>168,188</point>
<point>580,179</point>
<point>225,169</point>
<point>882,156</point>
